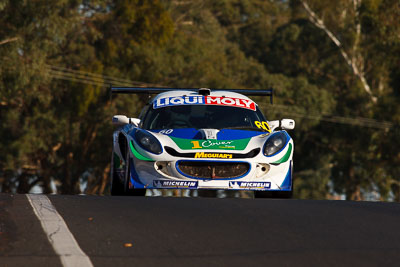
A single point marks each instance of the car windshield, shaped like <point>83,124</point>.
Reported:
<point>202,117</point>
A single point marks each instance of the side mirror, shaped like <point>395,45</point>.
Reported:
<point>287,124</point>
<point>284,124</point>
<point>120,120</point>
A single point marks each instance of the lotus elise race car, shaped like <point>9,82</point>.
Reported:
<point>201,139</point>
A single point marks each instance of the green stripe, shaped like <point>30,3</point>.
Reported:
<point>137,154</point>
<point>285,157</point>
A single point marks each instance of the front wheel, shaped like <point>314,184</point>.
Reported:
<point>136,192</point>
<point>117,187</point>
<point>273,194</point>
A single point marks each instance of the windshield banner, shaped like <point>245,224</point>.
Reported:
<point>204,100</point>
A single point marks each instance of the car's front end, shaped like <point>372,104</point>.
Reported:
<point>237,164</point>
<point>191,145</point>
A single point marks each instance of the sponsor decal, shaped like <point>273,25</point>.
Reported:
<point>204,155</point>
<point>250,185</point>
<point>212,144</point>
<point>239,144</point>
<point>175,184</point>
<point>204,100</point>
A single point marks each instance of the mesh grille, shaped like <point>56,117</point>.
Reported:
<point>213,170</point>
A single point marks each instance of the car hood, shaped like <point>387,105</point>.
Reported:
<point>223,134</point>
<point>226,139</point>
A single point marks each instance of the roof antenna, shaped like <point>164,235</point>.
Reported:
<point>204,91</point>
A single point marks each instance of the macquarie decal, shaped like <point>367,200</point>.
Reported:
<point>203,155</point>
<point>249,185</point>
<point>175,184</point>
<point>204,100</point>
<point>239,144</point>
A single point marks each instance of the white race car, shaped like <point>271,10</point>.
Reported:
<point>201,139</point>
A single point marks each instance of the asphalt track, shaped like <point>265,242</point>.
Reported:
<point>157,231</point>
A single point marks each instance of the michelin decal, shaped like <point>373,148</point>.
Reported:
<point>175,184</point>
<point>250,185</point>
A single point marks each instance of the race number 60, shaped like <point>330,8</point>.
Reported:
<point>262,125</point>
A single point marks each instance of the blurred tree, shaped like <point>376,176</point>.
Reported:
<point>75,116</point>
<point>355,28</point>
<point>37,28</point>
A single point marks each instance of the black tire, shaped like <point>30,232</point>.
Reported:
<point>137,192</point>
<point>273,194</point>
<point>117,187</point>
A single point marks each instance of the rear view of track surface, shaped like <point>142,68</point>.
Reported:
<point>156,231</point>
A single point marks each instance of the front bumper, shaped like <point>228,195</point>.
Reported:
<point>168,175</point>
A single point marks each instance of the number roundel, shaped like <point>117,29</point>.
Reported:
<point>262,125</point>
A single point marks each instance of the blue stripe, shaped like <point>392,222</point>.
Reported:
<point>287,183</point>
<point>134,177</point>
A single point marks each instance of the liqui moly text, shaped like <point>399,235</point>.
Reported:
<point>204,100</point>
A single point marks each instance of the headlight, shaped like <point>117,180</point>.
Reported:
<point>275,143</point>
<point>148,142</point>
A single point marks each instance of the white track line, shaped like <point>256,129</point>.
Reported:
<point>57,232</point>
